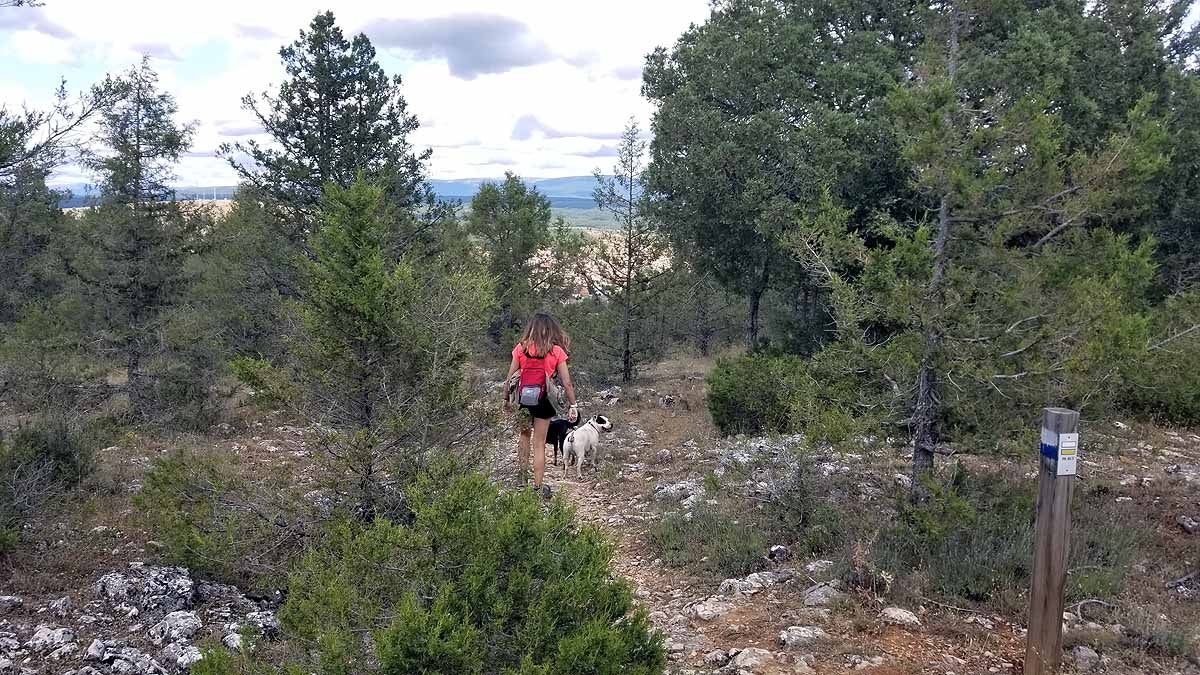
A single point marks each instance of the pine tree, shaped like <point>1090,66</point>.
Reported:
<point>130,259</point>
<point>38,320</point>
<point>338,115</point>
<point>705,314</point>
<point>33,143</point>
<point>759,109</point>
<point>384,343</point>
<point>512,223</point>
<point>29,220</point>
<point>40,138</point>
<point>247,269</point>
<point>1138,49</point>
<point>1014,292</point>
<point>631,262</point>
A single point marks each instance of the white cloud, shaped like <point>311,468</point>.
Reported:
<point>574,67</point>
<point>40,48</point>
<point>471,44</point>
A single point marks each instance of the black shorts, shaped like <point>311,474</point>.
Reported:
<point>542,411</point>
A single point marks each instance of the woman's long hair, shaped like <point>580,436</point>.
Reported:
<point>542,333</point>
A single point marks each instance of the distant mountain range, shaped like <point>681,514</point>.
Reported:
<point>570,192</point>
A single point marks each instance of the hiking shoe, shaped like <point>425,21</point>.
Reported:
<point>546,492</point>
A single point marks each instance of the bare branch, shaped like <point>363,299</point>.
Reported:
<point>1174,337</point>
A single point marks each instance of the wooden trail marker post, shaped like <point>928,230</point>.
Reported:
<point>1051,540</point>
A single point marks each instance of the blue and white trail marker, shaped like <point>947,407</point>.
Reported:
<point>1051,540</point>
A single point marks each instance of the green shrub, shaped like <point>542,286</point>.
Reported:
<point>38,464</point>
<point>214,521</point>
<point>270,385</point>
<point>10,535</point>
<point>711,541</point>
<point>1148,631</point>
<point>973,541</point>
<point>220,661</point>
<point>63,450</point>
<point>802,515</point>
<point>1164,383</point>
<point>820,396</point>
<point>730,538</point>
<point>216,661</point>
<point>753,394</point>
<point>477,582</point>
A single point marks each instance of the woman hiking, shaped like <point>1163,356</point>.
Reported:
<point>539,355</point>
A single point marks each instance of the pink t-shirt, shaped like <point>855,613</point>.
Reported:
<point>555,357</point>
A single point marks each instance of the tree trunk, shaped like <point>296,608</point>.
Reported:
<point>627,326</point>
<point>501,324</point>
<point>135,385</point>
<point>506,317</point>
<point>927,408</point>
<point>627,352</point>
<point>752,320</point>
<point>755,301</point>
<point>703,331</point>
<point>924,421</point>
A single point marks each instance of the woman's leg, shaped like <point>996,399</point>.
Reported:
<point>540,427</point>
<point>523,433</point>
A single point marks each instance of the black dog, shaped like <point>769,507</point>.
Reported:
<point>557,433</point>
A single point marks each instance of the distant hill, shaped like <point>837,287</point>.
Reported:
<point>569,187</point>
<point>570,192</point>
<point>85,195</point>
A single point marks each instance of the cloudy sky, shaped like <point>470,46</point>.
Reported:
<point>539,87</point>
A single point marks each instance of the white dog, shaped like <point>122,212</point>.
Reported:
<point>582,442</point>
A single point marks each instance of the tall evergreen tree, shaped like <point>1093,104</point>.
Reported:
<point>246,270</point>
<point>32,144</point>
<point>1149,48</point>
<point>512,223</point>
<point>35,342</point>
<point>384,343</point>
<point>41,137</point>
<point>761,107</point>
<point>338,115</point>
<point>631,262</point>
<point>131,255</point>
<point>1000,300</point>
<point>37,323</point>
<point>29,218</point>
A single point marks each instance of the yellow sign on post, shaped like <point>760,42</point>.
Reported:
<point>1068,452</point>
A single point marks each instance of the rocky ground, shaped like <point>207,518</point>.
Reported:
<point>795,617</point>
<point>85,595</point>
<point>141,619</point>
